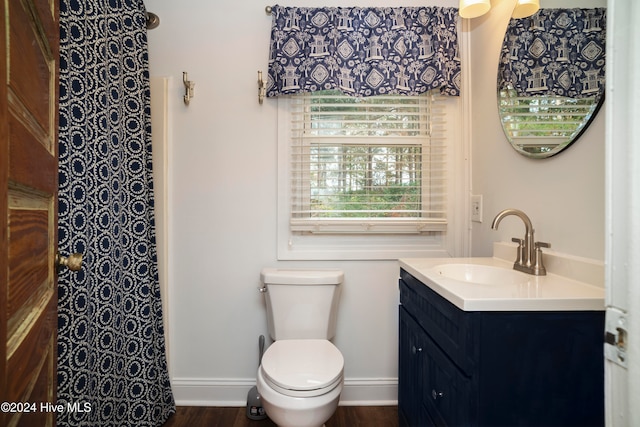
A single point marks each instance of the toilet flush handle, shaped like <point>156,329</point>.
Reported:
<point>263,289</point>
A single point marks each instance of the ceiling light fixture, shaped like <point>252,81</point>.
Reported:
<point>473,8</point>
<point>525,8</point>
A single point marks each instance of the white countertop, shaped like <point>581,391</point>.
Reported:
<point>534,293</point>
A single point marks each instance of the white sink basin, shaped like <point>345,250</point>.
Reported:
<point>491,284</point>
<point>482,274</point>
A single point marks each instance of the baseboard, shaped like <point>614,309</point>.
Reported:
<point>369,392</point>
<point>233,392</point>
<point>210,391</point>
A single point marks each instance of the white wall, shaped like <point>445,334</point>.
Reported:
<point>222,158</point>
<point>563,195</point>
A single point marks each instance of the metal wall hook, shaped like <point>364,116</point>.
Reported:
<point>153,21</point>
<point>262,89</point>
<point>188,86</point>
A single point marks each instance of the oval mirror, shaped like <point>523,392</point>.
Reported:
<point>551,77</point>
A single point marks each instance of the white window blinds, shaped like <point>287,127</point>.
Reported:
<point>539,124</point>
<point>367,165</point>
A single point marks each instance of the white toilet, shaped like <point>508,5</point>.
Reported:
<point>301,375</point>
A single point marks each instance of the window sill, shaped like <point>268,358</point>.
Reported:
<point>331,247</point>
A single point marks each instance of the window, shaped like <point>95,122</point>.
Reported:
<point>361,174</point>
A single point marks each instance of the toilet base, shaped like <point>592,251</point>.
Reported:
<point>287,411</point>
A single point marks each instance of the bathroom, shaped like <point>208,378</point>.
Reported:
<point>221,200</point>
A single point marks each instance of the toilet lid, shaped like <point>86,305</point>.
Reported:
<point>302,364</point>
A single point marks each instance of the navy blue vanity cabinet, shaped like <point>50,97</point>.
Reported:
<point>490,368</point>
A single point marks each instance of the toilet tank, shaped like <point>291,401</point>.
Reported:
<point>301,304</point>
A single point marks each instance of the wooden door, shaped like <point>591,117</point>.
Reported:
<point>29,44</point>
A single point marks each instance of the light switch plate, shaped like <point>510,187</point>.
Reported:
<point>476,208</point>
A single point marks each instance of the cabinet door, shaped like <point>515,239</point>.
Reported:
<point>446,390</point>
<point>450,327</point>
<point>410,373</point>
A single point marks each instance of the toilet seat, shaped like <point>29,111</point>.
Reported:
<point>302,368</point>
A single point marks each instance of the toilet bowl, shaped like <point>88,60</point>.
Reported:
<point>300,381</point>
<point>301,374</point>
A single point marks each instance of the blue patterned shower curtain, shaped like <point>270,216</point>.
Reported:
<point>112,368</point>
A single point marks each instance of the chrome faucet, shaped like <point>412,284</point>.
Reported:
<point>529,256</point>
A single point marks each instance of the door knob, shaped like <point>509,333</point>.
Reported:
<point>73,262</point>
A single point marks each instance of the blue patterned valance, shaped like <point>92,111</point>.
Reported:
<point>364,51</point>
<point>555,52</point>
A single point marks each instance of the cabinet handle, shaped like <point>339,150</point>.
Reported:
<point>415,349</point>
<point>436,394</point>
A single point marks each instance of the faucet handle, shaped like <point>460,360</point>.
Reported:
<point>519,251</point>
<point>538,266</point>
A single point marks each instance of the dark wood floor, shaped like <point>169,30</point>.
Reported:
<point>345,416</point>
